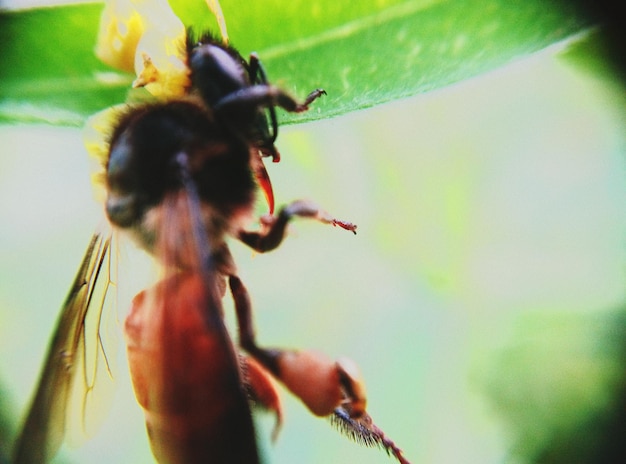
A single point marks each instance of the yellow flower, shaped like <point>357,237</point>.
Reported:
<point>145,37</point>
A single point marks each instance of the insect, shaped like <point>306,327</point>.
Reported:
<point>181,176</point>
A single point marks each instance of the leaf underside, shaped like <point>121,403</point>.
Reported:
<point>362,55</point>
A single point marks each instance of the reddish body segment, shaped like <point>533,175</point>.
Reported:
<point>182,373</point>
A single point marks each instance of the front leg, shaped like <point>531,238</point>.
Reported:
<point>257,75</point>
<point>240,101</point>
<point>273,236</point>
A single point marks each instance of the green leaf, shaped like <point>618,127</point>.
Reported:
<point>49,72</point>
<point>363,53</point>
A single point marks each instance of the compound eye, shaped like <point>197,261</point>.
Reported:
<point>121,202</point>
<point>122,209</point>
<point>119,167</point>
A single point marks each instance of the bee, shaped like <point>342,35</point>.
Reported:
<point>181,176</point>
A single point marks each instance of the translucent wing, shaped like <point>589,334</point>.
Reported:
<point>183,365</point>
<point>45,426</point>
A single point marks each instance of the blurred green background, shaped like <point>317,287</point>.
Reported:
<point>483,296</point>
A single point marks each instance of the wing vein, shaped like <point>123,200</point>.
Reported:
<point>44,426</point>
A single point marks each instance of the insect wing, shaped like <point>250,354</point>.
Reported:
<point>183,365</point>
<point>185,379</point>
<point>68,361</point>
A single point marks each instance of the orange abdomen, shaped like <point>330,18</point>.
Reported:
<point>186,378</point>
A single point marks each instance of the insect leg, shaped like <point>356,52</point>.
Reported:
<point>256,72</point>
<point>321,383</point>
<point>247,337</point>
<point>257,76</point>
<point>273,236</point>
<point>363,430</point>
<point>261,96</point>
<point>325,386</point>
<point>317,93</point>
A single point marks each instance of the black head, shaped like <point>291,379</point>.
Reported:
<point>235,89</point>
